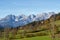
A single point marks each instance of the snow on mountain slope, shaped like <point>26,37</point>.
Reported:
<point>8,20</point>
<point>14,21</point>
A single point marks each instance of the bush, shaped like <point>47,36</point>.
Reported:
<point>41,34</point>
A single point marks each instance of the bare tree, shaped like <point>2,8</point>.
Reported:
<point>6,33</point>
<point>52,29</point>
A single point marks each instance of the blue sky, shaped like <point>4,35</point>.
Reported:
<point>27,7</point>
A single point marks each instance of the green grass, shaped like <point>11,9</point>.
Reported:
<point>57,22</point>
<point>36,38</point>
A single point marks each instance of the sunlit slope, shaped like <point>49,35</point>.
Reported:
<point>40,37</point>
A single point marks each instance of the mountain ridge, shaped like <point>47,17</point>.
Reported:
<point>14,21</point>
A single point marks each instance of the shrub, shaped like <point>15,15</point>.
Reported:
<point>41,34</point>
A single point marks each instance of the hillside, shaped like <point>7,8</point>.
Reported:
<point>41,32</point>
<point>38,24</point>
<point>35,29</point>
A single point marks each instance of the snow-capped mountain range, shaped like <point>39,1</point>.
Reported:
<point>14,21</point>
